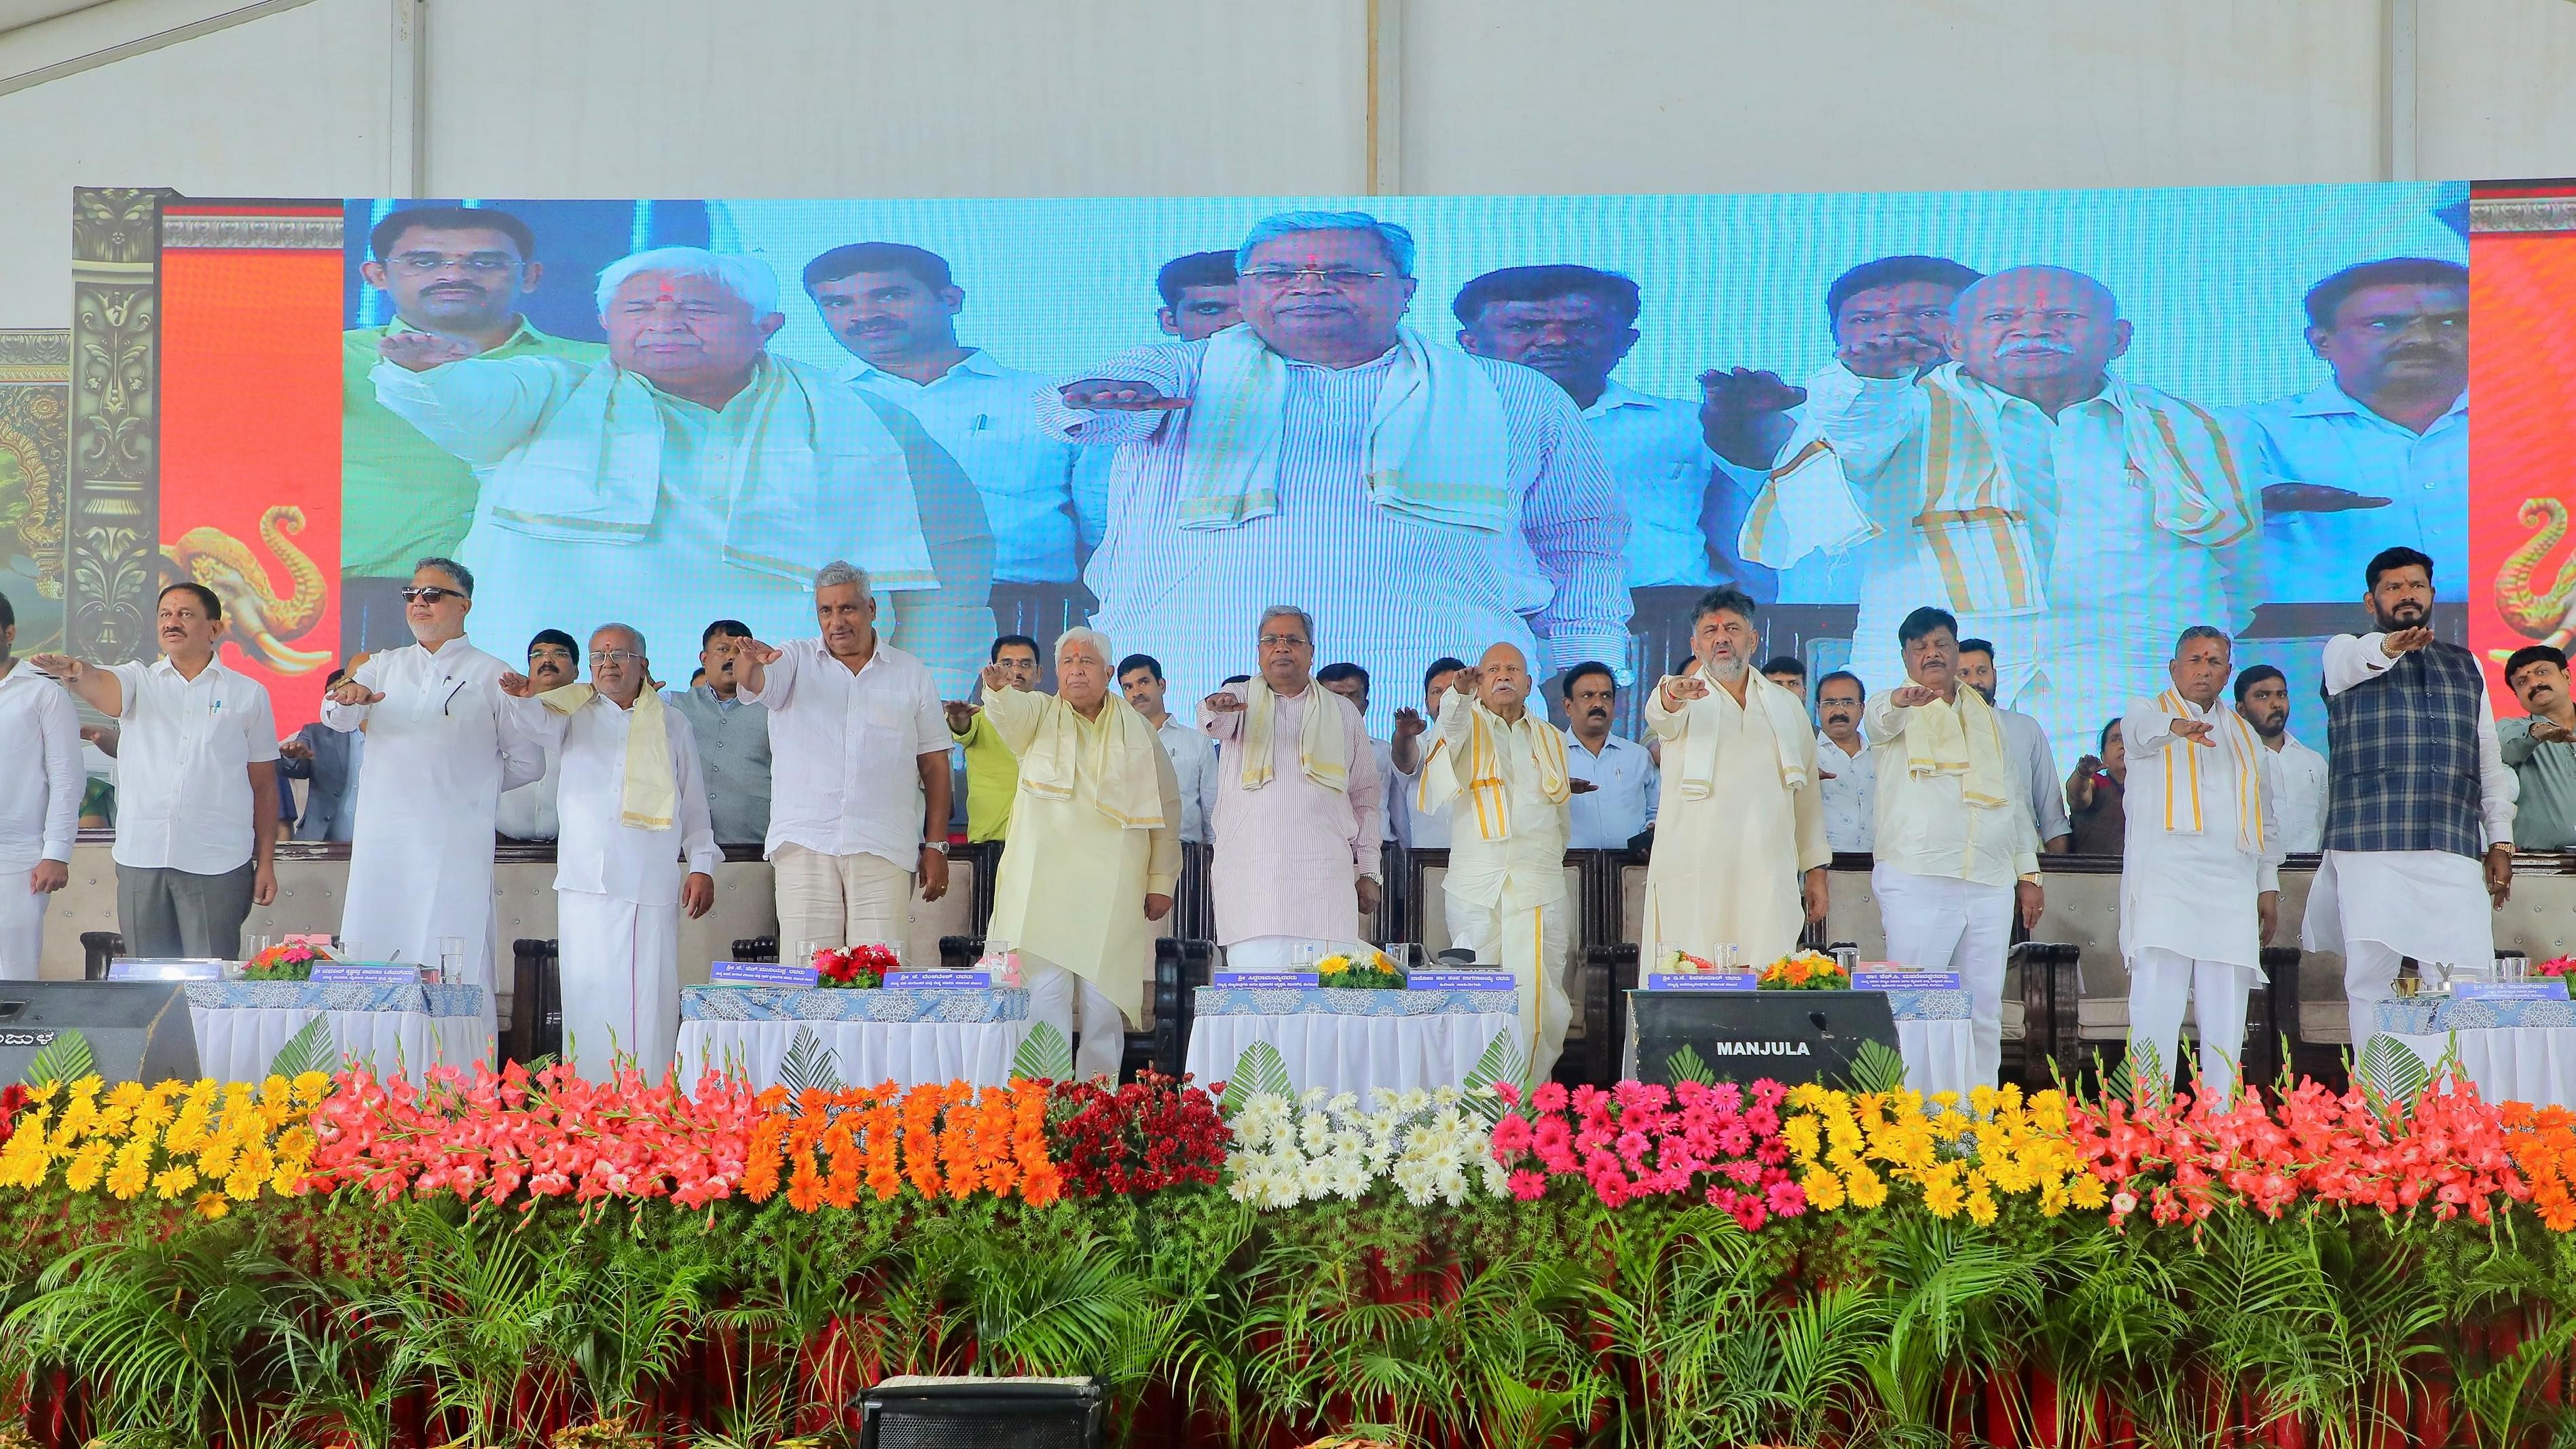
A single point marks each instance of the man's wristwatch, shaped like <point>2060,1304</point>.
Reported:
<point>938,845</point>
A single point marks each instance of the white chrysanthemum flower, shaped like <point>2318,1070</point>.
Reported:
<point>1312,1097</point>
<point>1498,1179</point>
<point>1343,1104</point>
<point>1314,1130</point>
<point>1351,1180</point>
<point>1444,1095</point>
<point>1411,1101</point>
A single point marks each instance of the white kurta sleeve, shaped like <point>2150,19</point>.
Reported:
<point>528,723</point>
<point>65,780</point>
<point>1808,806</point>
<point>1367,786</point>
<point>2267,868</point>
<point>478,408</point>
<point>347,718</point>
<point>1867,424</point>
<point>2352,658</point>
<point>1163,851</point>
<point>777,680</point>
<point>2146,728</point>
<point>2498,787</point>
<point>1665,724</point>
<point>1882,722</point>
<point>697,827</point>
<point>1228,725</point>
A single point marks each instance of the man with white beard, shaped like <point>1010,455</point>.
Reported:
<point>632,801</point>
<point>441,748</point>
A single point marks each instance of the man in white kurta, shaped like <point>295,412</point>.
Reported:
<point>39,802</point>
<point>633,801</point>
<point>1094,849</point>
<point>441,747</point>
<point>1740,849</point>
<point>1300,817</point>
<point>1501,773</point>
<point>1957,855</point>
<point>2200,877</point>
<point>2417,787</point>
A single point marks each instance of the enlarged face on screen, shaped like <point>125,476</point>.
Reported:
<point>2413,336</point>
<point>1575,339</point>
<point>1909,321</point>
<point>1332,293</point>
<point>684,333</point>
<point>887,316</point>
<point>2041,333</point>
<point>463,282</point>
<point>1201,312</point>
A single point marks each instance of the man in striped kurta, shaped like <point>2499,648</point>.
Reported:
<point>2078,519</point>
<point>1323,450</point>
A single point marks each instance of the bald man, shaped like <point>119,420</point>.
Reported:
<point>2077,518</point>
<point>1500,772</point>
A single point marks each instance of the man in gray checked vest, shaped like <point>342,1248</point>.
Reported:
<point>2417,794</point>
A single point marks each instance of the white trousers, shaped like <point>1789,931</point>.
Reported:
<point>1530,942</point>
<point>2369,978</point>
<point>2160,983</point>
<point>1941,923</point>
<point>620,967</point>
<point>840,900</point>
<point>22,924</point>
<point>1091,1023</point>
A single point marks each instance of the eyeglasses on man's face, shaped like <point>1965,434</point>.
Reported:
<point>428,594</point>
<point>482,264</point>
<point>602,658</point>
<point>1340,279</point>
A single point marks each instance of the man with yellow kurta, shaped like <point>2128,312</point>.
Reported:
<point>1501,773</point>
<point>1094,848</point>
<point>1740,848</point>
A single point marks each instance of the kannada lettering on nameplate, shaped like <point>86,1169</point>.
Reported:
<point>1459,981</point>
<point>174,968</point>
<point>939,980</point>
<point>1701,980</point>
<point>2550,989</point>
<point>1265,980</point>
<point>12,1037</point>
<point>760,973</point>
<point>355,973</point>
<point>1867,980</point>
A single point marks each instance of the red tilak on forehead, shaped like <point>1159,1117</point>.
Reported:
<point>668,295</point>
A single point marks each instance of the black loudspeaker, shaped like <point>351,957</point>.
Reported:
<point>138,1031</point>
<point>1788,1036</point>
<point>972,1413</point>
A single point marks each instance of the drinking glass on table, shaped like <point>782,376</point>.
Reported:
<point>451,960</point>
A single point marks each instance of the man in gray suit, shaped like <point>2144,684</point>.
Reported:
<point>328,760</point>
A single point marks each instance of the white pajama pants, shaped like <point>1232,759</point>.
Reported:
<point>2369,978</point>
<point>1530,942</point>
<point>620,967</point>
<point>1941,923</point>
<point>22,923</point>
<point>2160,983</point>
<point>840,900</point>
<point>1091,1023</point>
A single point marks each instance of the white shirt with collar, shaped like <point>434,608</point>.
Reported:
<point>184,752</point>
<point>2328,438</point>
<point>527,812</point>
<point>1193,757</point>
<point>1849,794</point>
<point>1622,802</point>
<point>984,414</point>
<point>2298,776</point>
<point>39,796</point>
<point>1659,457</point>
<point>1925,825</point>
<point>844,750</point>
<point>599,853</point>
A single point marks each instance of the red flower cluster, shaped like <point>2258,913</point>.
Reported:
<point>2184,1160</point>
<point>1155,1132</point>
<point>13,1099</point>
<point>854,966</point>
<point>1639,1140</point>
<point>492,1136</point>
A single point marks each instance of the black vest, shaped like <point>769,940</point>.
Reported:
<point>2402,746</point>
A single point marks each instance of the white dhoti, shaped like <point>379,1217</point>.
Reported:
<point>840,900</point>
<point>2375,907</point>
<point>1530,942</point>
<point>620,969</point>
<point>22,924</point>
<point>1093,1026</point>
<point>1941,923</point>
<point>2161,983</point>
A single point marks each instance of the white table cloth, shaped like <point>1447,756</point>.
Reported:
<point>908,1037</point>
<point>2515,1051</point>
<point>1354,1041</point>
<point>241,1026</point>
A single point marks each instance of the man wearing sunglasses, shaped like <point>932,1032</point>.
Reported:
<point>441,747</point>
<point>458,272</point>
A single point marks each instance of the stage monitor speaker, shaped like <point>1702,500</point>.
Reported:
<point>979,1413</point>
<point>138,1031</point>
<point>1788,1036</point>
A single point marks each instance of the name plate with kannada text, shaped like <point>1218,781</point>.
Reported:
<point>2553,988</point>
<point>1459,981</point>
<point>1702,980</point>
<point>1265,980</point>
<point>1868,980</point>
<point>363,973</point>
<point>939,980</point>
<point>761,973</point>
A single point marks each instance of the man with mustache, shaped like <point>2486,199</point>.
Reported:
<point>1615,782</point>
<point>1499,771</point>
<point>1957,858</point>
<point>2032,758</point>
<point>693,457</point>
<point>1740,850</point>
<point>2297,773</point>
<point>527,812</point>
<point>457,272</point>
<point>1325,449</point>
<point>1575,325</point>
<point>1199,300</point>
<point>2417,793</point>
<point>895,308</point>
<point>1850,794</point>
<point>2079,519</point>
<point>2541,749</point>
<point>2382,449</point>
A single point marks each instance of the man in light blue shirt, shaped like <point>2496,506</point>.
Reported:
<point>1575,324</point>
<point>2379,455</point>
<point>1614,781</point>
<point>895,308</point>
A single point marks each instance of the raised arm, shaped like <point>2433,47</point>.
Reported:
<point>1124,400</point>
<point>478,408</point>
<point>98,685</point>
